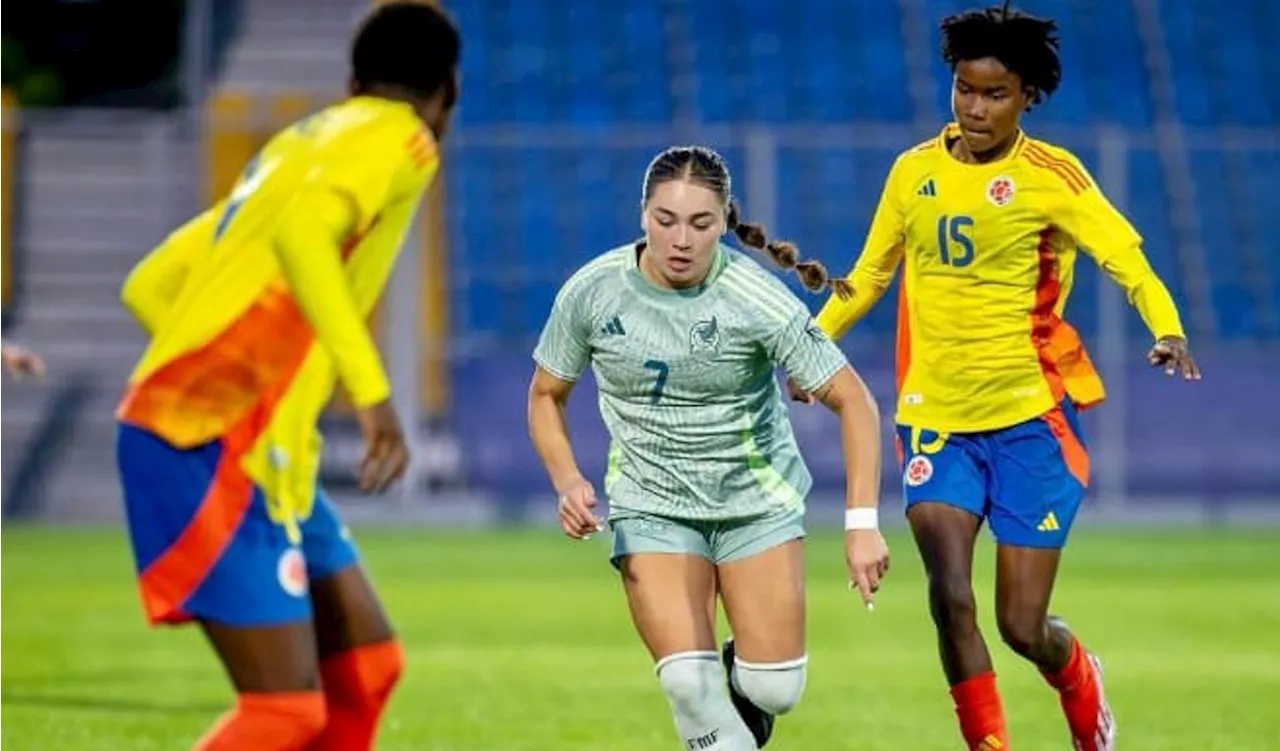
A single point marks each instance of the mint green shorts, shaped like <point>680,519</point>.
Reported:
<point>720,542</point>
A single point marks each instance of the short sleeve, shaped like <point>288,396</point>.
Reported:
<point>805,351</point>
<point>563,348</point>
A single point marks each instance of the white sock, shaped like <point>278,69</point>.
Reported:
<point>705,718</point>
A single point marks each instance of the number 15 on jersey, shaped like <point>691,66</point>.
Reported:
<point>955,240</point>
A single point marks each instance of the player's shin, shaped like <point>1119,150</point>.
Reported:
<point>357,685</point>
<point>981,713</point>
<point>694,683</point>
<point>268,722</point>
<point>1084,702</point>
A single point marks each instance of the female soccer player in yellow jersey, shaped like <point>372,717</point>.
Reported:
<point>255,310</point>
<point>987,221</point>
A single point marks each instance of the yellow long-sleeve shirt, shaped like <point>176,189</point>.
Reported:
<point>257,307</point>
<point>989,251</point>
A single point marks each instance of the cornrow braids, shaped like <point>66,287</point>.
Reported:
<point>703,166</point>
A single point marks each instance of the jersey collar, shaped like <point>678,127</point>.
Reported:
<point>951,131</point>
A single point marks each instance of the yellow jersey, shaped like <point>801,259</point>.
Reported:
<point>257,307</point>
<point>989,252</point>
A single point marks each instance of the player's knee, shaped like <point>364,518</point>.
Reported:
<point>690,680</point>
<point>363,676</point>
<point>1021,630</point>
<point>774,687</point>
<point>952,604</point>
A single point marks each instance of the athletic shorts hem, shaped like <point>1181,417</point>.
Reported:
<point>720,542</point>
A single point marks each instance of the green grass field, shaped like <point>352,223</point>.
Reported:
<point>519,641</point>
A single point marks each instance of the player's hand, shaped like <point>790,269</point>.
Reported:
<point>798,394</point>
<point>1171,354</point>
<point>867,555</point>
<point>385,455</point>
<point>19,362</point>
<point>577,514</point>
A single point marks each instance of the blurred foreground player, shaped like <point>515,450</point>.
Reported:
<point>989,375</point>
<point>706,485</point>
<point>255,310</point>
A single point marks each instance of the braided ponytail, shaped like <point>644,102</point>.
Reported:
<point>813,275</point>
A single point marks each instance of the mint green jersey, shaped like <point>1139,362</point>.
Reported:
<point>687,384</point>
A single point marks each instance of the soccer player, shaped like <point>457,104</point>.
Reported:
<point>705,484</point>
<point>255,309</point>
<point>990,377</point>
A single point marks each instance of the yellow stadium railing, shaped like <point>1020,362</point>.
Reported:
<point>9,175</point>
<point>231,141</point>
<point>433,370</point>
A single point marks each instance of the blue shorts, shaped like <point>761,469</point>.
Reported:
<point>203,544</point>
<point>1027,480</point>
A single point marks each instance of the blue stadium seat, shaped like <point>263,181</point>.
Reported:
<point>604,67</point>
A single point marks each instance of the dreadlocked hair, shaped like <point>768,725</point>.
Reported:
<point>703,166</point>
<point>1026,45</point>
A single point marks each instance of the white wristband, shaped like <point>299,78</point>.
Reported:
<point>861,518</point>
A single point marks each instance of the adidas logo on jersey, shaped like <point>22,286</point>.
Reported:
<point>614,327</point>
<point>1049,523</point>
<point>928,190</point>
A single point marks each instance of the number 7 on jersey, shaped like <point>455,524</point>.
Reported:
<point>660,381</point>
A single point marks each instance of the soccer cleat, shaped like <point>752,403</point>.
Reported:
<point>758,721</point>
<point>1093,727</point>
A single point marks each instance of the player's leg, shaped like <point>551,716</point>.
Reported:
<point>273,669</point>
<point>670,584</point>
<point>945,486</point>
<point>1043,469</point>
<point>205,550</point>
<point>761,575</point>
<point>360,658</point>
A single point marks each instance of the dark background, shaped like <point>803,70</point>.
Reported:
<point>120,53</point>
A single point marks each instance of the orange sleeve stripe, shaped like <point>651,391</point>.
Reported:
<point>924,145</point>
<point>1066,164</point>
<point>1068,172</point>
<point>1073,450</point>
<point>421,148</point>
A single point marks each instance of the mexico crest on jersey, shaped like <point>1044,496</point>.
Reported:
<point>704,336</point>
<point>919,470</point>
<point>1000,190</point>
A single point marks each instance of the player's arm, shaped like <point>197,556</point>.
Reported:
<point>1104,233</point>
<point>309,244</point>
<point>154,284</point>
<point>563,352</point>
<point>548,395</point>
<point>874,270</point>
<point>817,366</point>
